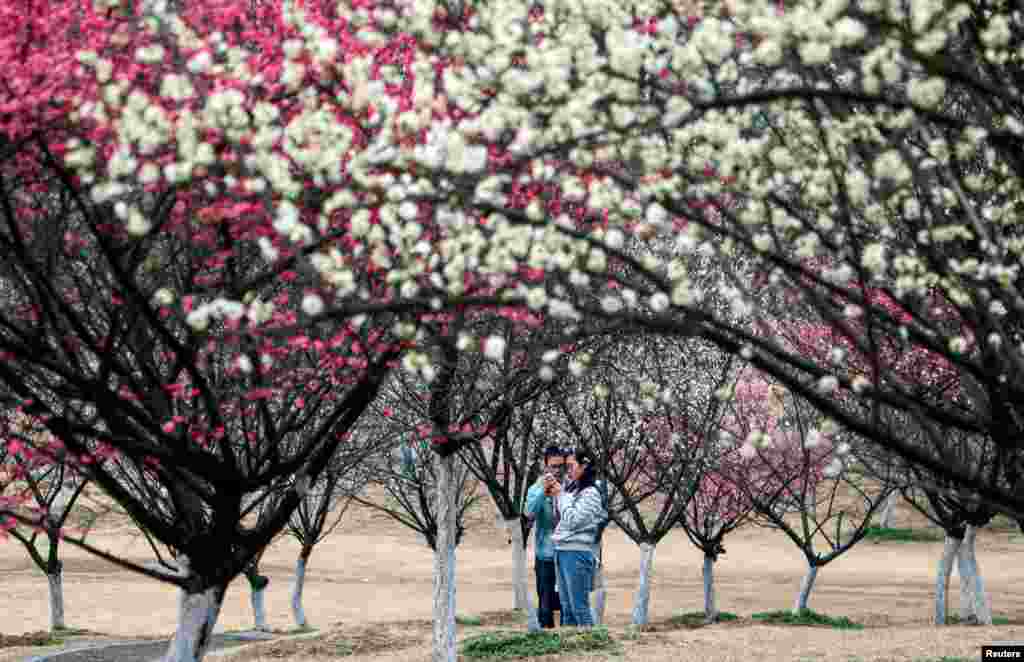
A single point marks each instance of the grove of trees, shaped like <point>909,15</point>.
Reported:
<point>233,234</point>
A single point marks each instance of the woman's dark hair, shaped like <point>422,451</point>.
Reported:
<point>584,458</point>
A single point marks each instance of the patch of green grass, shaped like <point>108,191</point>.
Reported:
<point>468,620</point>
<point>296,630</point>
<point>38,638</point>
<point>954,619</point>
<point>506,644</point>
<point>806,617</point>
<point>71,632</point>
<point>343,648</point>
<point>244,634</point>
<point>1002,522</point>
<point>233,643</point>
<point>694,619</point>
<point>878,534</point>
<point>632,632</point>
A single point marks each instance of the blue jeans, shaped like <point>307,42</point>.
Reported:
<point>575,581</point>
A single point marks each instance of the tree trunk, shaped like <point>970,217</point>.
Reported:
<point>259,609</point>
<point>521,587</point>
<point>888,517</point>
<point>197,616</point>
<point>599,594</point>
<point>300,582</point>
<point>643,593</point>
<point>974,604</point>
<point>444,562</point>
<point>949,552</point>
<point>257,591</point>
<point>710,608</point>
<point>805,587</point>
<point>519,584</point>
<point>56,582</point>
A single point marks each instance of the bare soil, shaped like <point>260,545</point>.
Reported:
<point>368,589</point>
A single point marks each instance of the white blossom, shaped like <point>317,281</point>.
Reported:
<point>198,319</point>
<point>926,93</point>
<point>312,305</point>
<point>536,298</point>
<point>494,348</point>
<point>873,258</point>
<point>834,468</point>
<point>827,384</point>
<point>611,304</point>
<point>138,225</point>
<point>849,31</point>
<point>163,297</point>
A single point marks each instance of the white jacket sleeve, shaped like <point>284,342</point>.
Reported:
<point>582,510</point>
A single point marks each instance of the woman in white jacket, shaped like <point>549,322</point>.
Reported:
<point>578,515</point>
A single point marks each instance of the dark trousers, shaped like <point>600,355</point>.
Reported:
<point>548,597</point>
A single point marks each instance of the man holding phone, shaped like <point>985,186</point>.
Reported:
<point>540,509</point>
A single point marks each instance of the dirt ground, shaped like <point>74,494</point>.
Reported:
<point>372,572</point>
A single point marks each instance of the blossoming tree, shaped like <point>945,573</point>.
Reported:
<point>169,405</point>
<point>574,156</point>
<point>770,135</point>
<point>718,507</point>
<point>403,470</point>
<point>322,510</point>
<point>638,409</point>
<point>796,475</point>
<point>930,377</point>
<point>33,485</point>
<point>960,514</point>
<point>528,358</point>
<point>429,490</point>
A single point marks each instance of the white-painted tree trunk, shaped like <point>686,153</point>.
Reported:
<point>967,612</point>
<point>56,582</point>
<point>974,602</point>
<point>805,588</point>
<point>520,587</point>
<point>444,562</point>
<point>888,517</point>
<point>710,608</point>
<point>259,609</point>
<point>949,552</point>
<point>600,594</point>
<point>197,616</point>
<point>642,602</point>
<point>300,582</point>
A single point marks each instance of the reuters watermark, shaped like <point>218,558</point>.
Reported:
<point>1009,650</point>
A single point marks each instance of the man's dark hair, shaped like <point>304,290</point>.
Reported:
<point>554,451</point>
